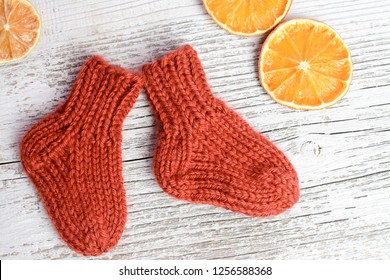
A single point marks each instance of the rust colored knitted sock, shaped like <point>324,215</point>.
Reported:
<point>74,158</point>
<point>206,153</point>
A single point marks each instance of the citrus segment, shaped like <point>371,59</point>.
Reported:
<point>275,61</point>
<point>247,17</point>
<point>334,50</point>
<point>275,78</point>
<point>320,36</point>
<point>327,87</point>
<point>339,69</point>
<point>304,64</point>
<point>283,45</point>
<point>286,90</point>
<point>306,94</point>
<point>20,27</point>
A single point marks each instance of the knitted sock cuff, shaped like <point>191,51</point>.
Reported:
<point>103,94</point>
<point>176,84</point>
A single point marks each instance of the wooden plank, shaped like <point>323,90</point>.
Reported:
<point>341,153</point>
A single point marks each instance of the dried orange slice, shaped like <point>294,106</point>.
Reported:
<point>247,17</point>
<point>20,27</point>
<point>304,64</point>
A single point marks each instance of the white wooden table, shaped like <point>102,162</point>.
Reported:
<point>342,154</point>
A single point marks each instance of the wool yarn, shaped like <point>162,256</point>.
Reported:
<point>206,153</point>
<point>74,158</point>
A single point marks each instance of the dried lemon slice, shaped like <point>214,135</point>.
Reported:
<point>20,27</point>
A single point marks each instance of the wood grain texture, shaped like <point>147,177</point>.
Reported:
<point>342,154</point>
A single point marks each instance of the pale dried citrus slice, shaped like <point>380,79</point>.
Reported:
<point>20,27</point>
<point>304,64</point>
<point>247,17</point>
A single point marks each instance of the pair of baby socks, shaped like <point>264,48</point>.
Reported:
<point>206,153</point>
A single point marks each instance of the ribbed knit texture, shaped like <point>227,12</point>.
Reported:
<point>73,157</point>
<point>206,153</point>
